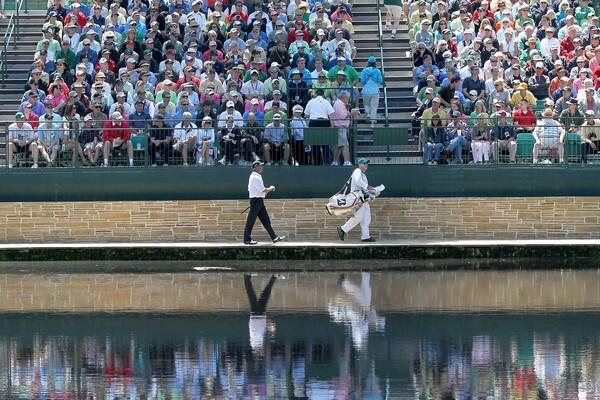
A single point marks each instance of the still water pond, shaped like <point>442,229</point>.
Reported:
<point>385,335</point>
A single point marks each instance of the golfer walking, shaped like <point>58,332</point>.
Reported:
<point>359,183</point>
<point>257,193</point>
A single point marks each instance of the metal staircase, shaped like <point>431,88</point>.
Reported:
<point>398,77</point>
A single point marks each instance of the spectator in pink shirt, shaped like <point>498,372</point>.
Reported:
<point>56,96</point>
<point>341,119</point>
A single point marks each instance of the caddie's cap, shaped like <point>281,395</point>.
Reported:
<point>256,163</point>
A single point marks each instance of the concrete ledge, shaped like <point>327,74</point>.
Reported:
<point>321,250</point>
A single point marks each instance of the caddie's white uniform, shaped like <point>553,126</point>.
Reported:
<point>359,183</point>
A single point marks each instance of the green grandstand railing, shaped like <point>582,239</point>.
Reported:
<point>382,58</point>
<point>313,136</point>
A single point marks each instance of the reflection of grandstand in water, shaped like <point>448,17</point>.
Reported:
<point>192,357</point>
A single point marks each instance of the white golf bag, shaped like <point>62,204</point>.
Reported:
<point>342,204</point>
<point>346,202</point>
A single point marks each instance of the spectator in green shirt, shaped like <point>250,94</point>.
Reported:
<point>351,74</point>
<point>275,110</point>
<point>572,118</point>
<point>67,54</point>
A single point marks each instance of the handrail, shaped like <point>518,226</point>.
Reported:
<point>18,5</point>
<point>385,96</point>
<point>8,35</point>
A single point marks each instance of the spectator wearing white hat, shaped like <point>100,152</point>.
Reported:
<point>276,148</point>
<point>116,135</point>
<point>238,120</point>
<point>548,42</point>
<point>197,15</point>
<point>184,137</point>
<point>297,125</point>
<point>424,35</point>
<point>90,141</point>
<point>122,101</point>
<point>21,139</point>
<point>206,143</point>
<point>548,134</point>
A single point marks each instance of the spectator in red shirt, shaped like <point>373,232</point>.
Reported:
<point>298,34</point>
<point>77,15</point>
<point>116,135</point>
<point>30,116</point>
<point>483,12</point>
<point>524,117</point>
<point>188,77</point>
<point>567,46</point>
<point>212,47</point>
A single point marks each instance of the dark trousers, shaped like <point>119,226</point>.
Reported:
<point>248,147</point>
<point>258,306</point>
<point>258,209</point>
<point>229,150</point>
<point>298,151</point>
<point>320,154</point>
<point>163,148</point>
<point>587,149</point>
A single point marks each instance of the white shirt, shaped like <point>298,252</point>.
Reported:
<point>256,187</point>
<point>257,327</point>
<point>318,108</point>
<point>184,133</point>
<point>546,46</point>
<point>359,181</point>
<point>199,17</point>
<point>238,121</point>
<point>251,86</point>
<point>24,133</point>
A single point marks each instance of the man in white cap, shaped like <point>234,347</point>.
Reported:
<point>184,136</point>
<point>238,120</point>
<point>297,126</point>
<point>21,139</point>
<point>359,183</point>
<point>197,15</point>
<point>276,147</point>
<point>116,135</point>
<point>257,193</point>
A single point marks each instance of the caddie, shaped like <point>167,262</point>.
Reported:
<point>359,183</point>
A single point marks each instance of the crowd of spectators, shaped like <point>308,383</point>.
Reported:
<point>489,74</point>
<point>201,81</point>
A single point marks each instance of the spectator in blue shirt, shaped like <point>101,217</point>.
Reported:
<point>139,118</point>
<point>275,138</point>
<point>371,78</point>
<point>259,115</point>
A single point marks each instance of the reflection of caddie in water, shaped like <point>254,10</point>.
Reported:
<point>359,183</point>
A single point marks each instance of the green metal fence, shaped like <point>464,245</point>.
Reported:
<point>79,144</point>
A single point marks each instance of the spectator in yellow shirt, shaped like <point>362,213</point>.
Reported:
<point>435,109</point>
<point>523,94</point>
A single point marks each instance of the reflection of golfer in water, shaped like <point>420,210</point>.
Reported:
<point>355,309</point>
<point>258,312</point>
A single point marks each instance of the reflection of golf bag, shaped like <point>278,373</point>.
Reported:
<point>344,201</point>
